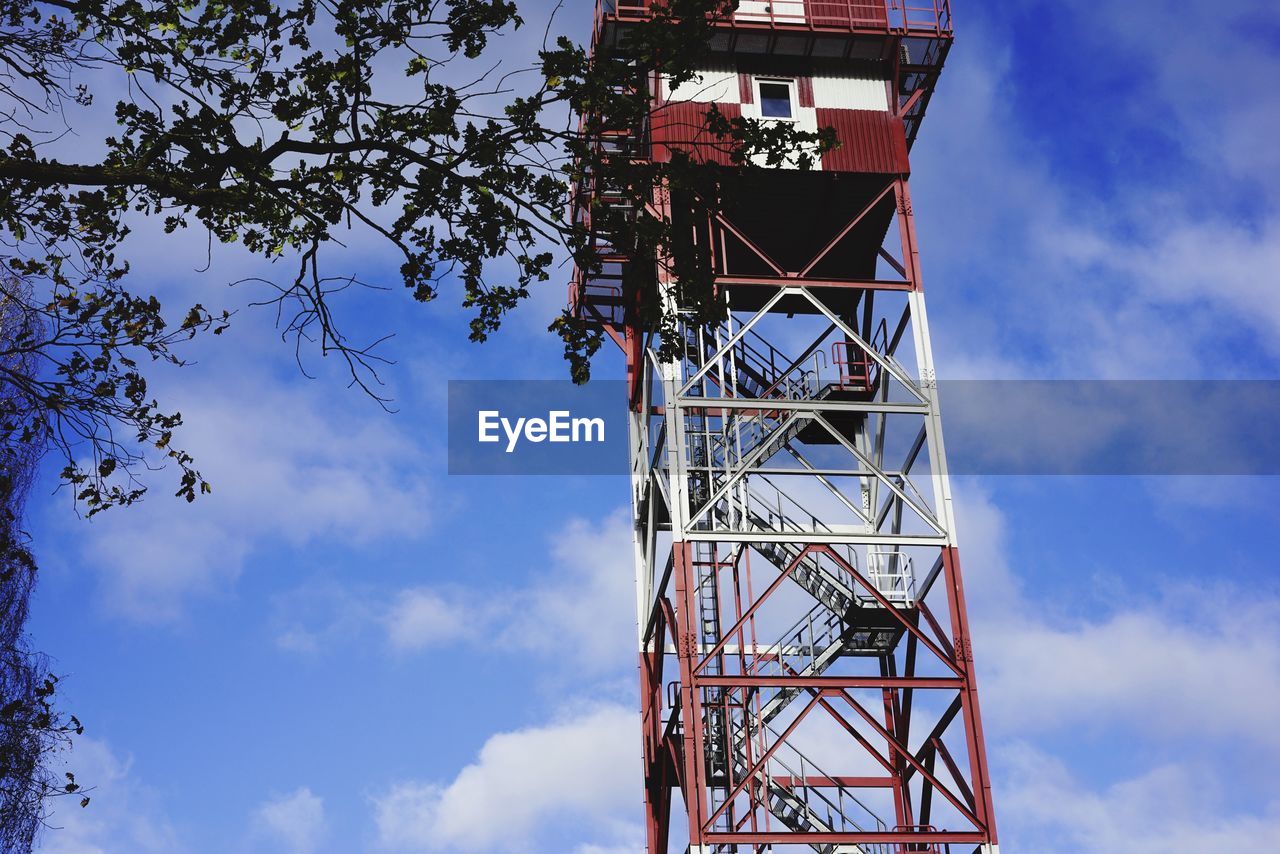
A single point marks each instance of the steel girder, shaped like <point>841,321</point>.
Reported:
<point>769,492</point>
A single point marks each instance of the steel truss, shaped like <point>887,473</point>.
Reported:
<point>799,591</point>
<point>799,594</point>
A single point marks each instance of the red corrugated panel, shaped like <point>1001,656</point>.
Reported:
<point>846,13</point>
<point>871,141</point>
<point>682,127</point>
<point>745,93</point>
<point>804,91</point>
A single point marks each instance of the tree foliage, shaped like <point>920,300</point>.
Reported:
<point>282,127</point>
<point>32,729</point>
<point>287,128</point>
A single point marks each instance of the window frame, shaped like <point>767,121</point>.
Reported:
<point>793,93</point>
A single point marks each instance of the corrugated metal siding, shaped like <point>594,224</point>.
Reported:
<point>804,91</point>
<point>715,83</point>
<point>772,11</point>
<point>746,93</point>
<point>871,141</point>
<point>849,93</point>
<point>681,127</point>
<point>845,13</point>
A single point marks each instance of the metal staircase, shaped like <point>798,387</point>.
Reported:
<point>844,619</point>
<point>802,808</point>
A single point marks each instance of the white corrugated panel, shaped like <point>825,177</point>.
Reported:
<point>713,84</point>
<point>850,93</point>
<point>773,11</point>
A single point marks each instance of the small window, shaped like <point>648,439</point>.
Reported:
<point>777,99</point>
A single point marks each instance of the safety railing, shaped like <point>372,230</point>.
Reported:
<point>920,847</point>
<point>752,368</point>
<point>850,13</point>
<point>597,205</point>
<point>892,574</point>
<point>920,16</point>
<point>803,806</point>
<point>780,511</point>
<point>912,16</point>
<point>775,510</point>
<point>597,296</point>
<point>762,365</point>
<point>856,370</point>
<point>801,645</point>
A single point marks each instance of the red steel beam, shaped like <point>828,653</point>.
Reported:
<point>791,281</point>
<point>821,682</point>
<point>902,837</point>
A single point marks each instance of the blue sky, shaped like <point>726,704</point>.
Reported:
<point>345,649</point>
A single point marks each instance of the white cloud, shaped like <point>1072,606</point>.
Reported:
<point>637,848</point>
<point>421,617</point>
<point>1169,809</point>
<point>1180,687</point>
<point>295,822</point>
<point>321,612</point>
<point>1178,42</point>
<point>123,813</point>
<point>982,534</point>
<point>287,464</point>
<point>578,605</point>
<point>583,606</point>
<point>1142,669</point>
<point>1152,663</point>
<point>1134,278</point>
<point>572,775</point>
<point>1162,673</point>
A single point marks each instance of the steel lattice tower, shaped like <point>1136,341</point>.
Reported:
<point>806,671</point>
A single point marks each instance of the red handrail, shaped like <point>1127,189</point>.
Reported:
<point>913,16</point>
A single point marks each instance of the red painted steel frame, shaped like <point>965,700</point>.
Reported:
<point>673,754</point>
<point>946,769</point>
<point>674,750</point>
